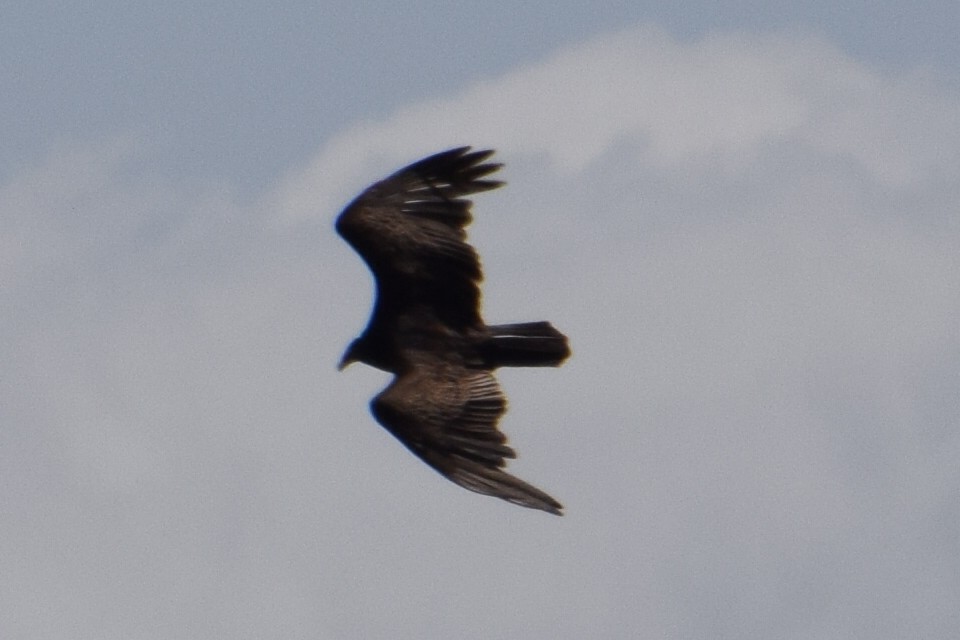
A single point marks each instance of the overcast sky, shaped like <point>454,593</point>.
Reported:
<point>746,219</point>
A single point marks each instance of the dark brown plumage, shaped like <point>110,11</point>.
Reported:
<point>426,327</point>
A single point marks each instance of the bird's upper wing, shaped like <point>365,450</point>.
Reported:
<point>409,228</point>
<point>447,415</point>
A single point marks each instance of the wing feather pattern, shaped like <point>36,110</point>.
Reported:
<point>447,416</point>
<point>410,230</point>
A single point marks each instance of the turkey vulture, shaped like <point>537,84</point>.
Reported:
<point>443,403</point>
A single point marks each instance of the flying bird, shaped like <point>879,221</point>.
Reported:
<point>426,328</point>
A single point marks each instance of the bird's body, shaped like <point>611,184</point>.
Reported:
<point>426,327</point>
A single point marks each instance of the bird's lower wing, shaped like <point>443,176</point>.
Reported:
<point>448,418</point>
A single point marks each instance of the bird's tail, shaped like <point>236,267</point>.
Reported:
<point>526,344</point>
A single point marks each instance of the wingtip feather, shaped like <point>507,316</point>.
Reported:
<point>500,484</point>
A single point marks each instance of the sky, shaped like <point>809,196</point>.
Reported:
<point>744,215</point>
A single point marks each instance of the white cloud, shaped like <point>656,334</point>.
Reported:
<point>746,239</point>
<point>727,97</point>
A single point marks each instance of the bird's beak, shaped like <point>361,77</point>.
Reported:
<point>345,362</point>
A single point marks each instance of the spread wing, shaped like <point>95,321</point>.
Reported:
<point>409,228</point>
<point>447,415</point>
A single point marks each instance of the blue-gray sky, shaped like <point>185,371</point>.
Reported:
<point>745,218</point>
